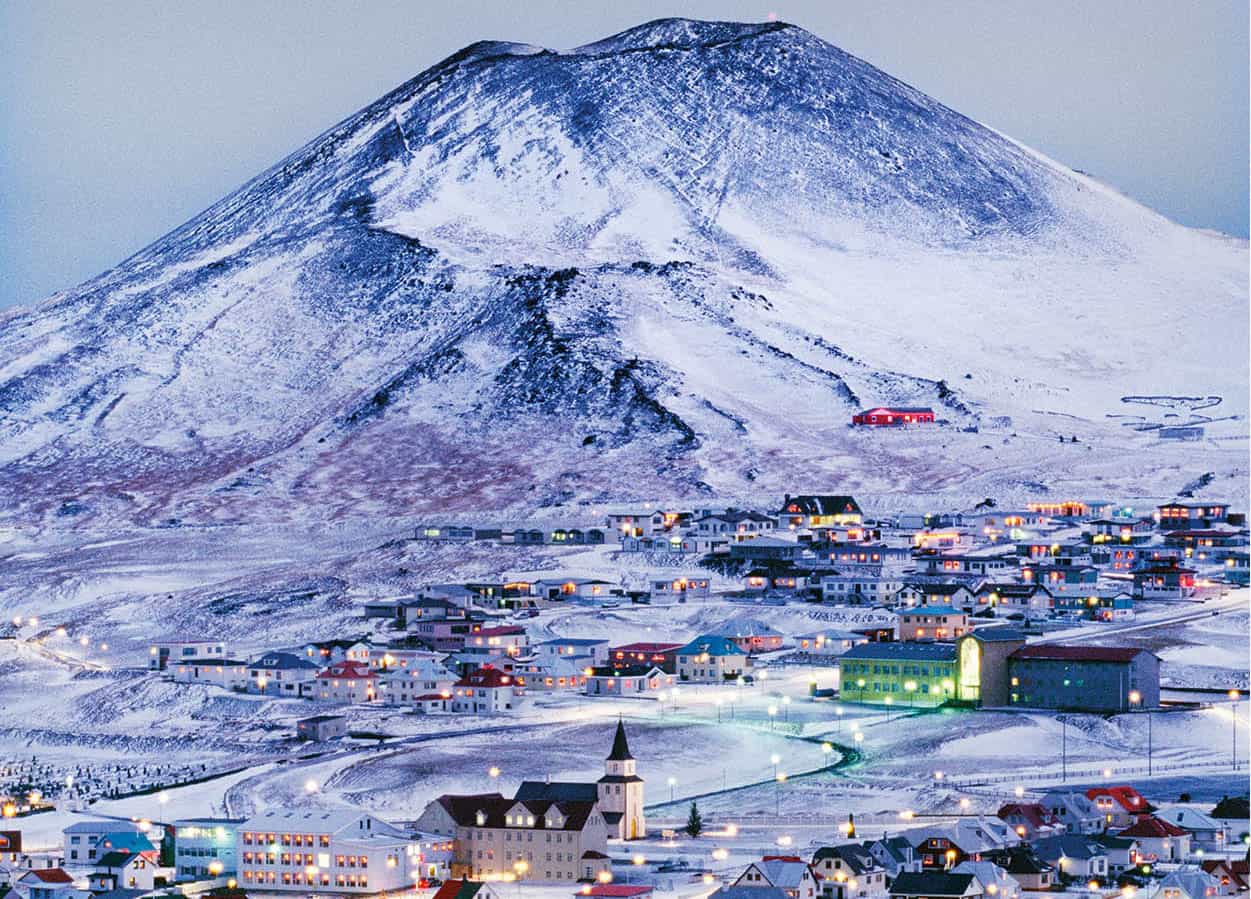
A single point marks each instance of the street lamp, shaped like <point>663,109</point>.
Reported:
<point>1135,699</point>
<point>673,782</point>
<point>774,759</point>
<point>1234,696</point>
<point>773,711</point>
<point>717,703</point>
<point>786,706</point>
<point>838,710</point>
<point>310,786</point>
<point>778,780</point>
<point>911,687</point>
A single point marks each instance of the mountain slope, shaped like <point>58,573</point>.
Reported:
<point>671,262</point>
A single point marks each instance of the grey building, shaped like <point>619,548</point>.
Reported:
<point>1086,678</point>
<point>321,727</point>
<point>205,847</point>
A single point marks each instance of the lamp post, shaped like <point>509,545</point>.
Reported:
<point>1135,699</point>
<point>673,782</point>
<point>773,713</point>
<point>838,710</point>
<point>786,707</point>
<point>774,759</point>
<point>1234,695</point>
<point>911,687</point>
<point>778,780</point>
<point>1064,749</point>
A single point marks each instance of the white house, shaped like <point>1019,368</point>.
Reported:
<point>315,850</point>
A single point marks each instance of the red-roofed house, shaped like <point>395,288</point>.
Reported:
<point>1120,806</point>
<point>1233,874</point>
<point>46,883</point>
<point>487,691</point>
<point>616,891</point>
<point>348,681</point>
<point>882,416</point>
<point>1158,841</point>
<point>663,655</point>
<point>1030,820</point>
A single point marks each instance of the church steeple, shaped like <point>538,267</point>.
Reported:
<point>620,748</point>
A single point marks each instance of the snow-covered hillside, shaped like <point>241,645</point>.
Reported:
<point>672,262</point>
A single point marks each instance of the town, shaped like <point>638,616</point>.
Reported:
<point>767,694</point>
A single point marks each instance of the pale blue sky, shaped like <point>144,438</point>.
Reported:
<point>121,120</point>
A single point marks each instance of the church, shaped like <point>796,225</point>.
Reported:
<point>559,831</point>
<point>618,794</point>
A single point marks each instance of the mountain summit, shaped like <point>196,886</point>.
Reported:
<point>671,262</point>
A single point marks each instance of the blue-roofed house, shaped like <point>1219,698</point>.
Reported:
<point>710,658</point>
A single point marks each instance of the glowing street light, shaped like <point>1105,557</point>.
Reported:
<point>673,782</point>
<point>310,786</point>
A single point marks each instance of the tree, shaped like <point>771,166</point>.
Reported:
<point>694,823</point>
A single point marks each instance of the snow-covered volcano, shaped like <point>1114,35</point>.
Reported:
<point>671,262</point>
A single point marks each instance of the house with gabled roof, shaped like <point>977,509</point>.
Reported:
<point>1075,810</point>
<point>994,880</point>
<point>1206,832</point>
<point>47,883</point>
<point>935,885</point>
<point>808,510</point>
<point>487,691</point>
<point>1158,840</point>
<point>282,674</point>
<point>120,869</point>
<point>713,659</point>
<point>348,682</point>
<point>790,874</point>
<point>849,871</point>
<point>465,889</point>
<point>1075,855</point>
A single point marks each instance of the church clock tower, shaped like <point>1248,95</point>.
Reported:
<point>621,791</point>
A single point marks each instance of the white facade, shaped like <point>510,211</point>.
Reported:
<point>325,852</point>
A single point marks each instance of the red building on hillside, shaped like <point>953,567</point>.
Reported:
<point>883,416</point>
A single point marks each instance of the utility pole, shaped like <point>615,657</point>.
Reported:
<point>1064,749</point>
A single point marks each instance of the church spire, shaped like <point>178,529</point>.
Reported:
<point>620,748</point>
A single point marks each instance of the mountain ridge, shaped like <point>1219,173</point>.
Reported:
<point>542,263</point>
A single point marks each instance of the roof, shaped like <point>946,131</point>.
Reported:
<point>855,856</point>
<point>119,858</point>
<point>930,883</point>
<point>892,650</point>
<point>1128,798</point>
<point>49,875</point>
<point>928,610</point>
<point>624,670</point>
<point>647,647</point>
<point>102,826</point>
<point>349,669</point>
<point>1189,819</point>
<point>573,641</point>
<point>1032,812</point>
<point>749,892</point>
<point>320,719</point>
<point>464,810</point>
<point>283,660</point>
<point>486,677</point>
<point>786,873</point>
<point>997,634</point>
<point>1151,826</point>
<point>712,644</point>
<point>537,790</point>
<point>822,504</point>
<point>1061,653</point>
<point>615,890</point>
<point>902,409</point>
<point>459,889</point>
<point>1069,845</point>
<point>620,747</point>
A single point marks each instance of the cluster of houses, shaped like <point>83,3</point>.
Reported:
<point>564,833</point>
<point>1052,558</point>
<point>1104,840</point>
<point>953,596</point>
